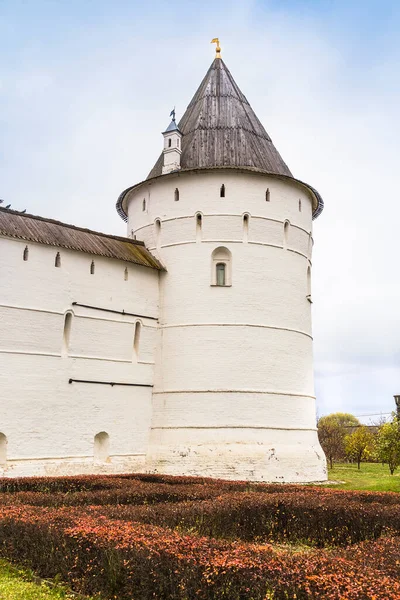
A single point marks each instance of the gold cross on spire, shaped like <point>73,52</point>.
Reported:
<point>218,48</point>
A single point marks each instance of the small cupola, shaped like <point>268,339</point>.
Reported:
<point>172,147</point>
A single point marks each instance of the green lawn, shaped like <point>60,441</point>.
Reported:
<point>18,584</point>
<point>371,476</point>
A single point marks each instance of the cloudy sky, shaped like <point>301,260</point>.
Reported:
<point>86,86</point>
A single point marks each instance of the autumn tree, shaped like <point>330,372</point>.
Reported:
<point>332,429</point>
<point>359,445</point>
<point>388,444</point>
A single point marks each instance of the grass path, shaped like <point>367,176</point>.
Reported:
<point>17,584</point>
<point>371,476</point>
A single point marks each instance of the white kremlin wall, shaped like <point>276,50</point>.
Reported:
<point>48,425</point>
<point>234,393</point>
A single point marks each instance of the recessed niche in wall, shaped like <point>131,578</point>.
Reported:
<point>101,450</point>
<point>3,449</point>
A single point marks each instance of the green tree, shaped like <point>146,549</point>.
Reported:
<point>388,444</point>
<point>332,429</point>
<point>359,445</point>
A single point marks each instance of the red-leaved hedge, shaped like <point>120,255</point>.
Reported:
<point>147,536</point>
<point>127,560</point>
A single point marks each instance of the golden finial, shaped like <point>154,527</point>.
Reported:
<point>218,48</point>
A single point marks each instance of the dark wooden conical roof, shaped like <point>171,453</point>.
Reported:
<point>220,129</point>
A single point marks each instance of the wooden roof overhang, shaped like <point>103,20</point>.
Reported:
<point>317,201</point>
<point>32,228</point>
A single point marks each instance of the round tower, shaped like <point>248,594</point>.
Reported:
<point>233,392</point>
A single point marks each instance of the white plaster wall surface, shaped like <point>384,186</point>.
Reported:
<point>50,423</point>
<point>233,392</point>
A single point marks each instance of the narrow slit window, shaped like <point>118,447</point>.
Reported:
<point>92,268</point>
<point>299,205</point>
<point>144,204</point>
<point>221,274</point>
<point>169,143</point>
<point>199,224</point>
<point>3,449</point>
<point>176,195</point>
<point>101,450</point>
<point>126,274</point>
<point>57,262</point>
<point>309,284</point>
<point>286,226</point>
<point>136,340</point>
<point>245,227</point>
<point>66,334</point>
<point>158,231</point>
<point>222,191</point>
<point>267,195</point>
<point>26,253</point>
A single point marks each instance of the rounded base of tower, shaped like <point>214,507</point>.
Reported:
<point>271,456</point>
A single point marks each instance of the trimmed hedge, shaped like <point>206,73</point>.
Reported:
<point>129,560</point>
<point>148,536</point>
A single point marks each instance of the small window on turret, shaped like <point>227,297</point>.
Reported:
<point>144,204</point>
<point>177,142</point>
<point>267,195</point>
<point>57,262</point>
<point>169,143</point>
<point>222,191</point>
<point>92,268</point>
<point>176,195</point>
<point>26,253</point>
<point>299,205</point>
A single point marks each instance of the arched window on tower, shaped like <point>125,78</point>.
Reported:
<point>126,274</point>
<point>299,205</point>
<point>246,218</point>
<point>199,225</point>
<point>101,450</point>
<point>66,334</point>
<point>136,341</point>
<point>57,261</point>
<point>221,267</point>
<point>3,449</point>
<point>144,205</point>
<point>176,195</point>
<point>26,253</point>
<point>169,143</point>
<point>92,268</point>
<point>222,191</point>
<point>221,273</point>
<point>267,195</point>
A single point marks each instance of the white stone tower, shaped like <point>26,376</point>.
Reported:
<point>233,393</point>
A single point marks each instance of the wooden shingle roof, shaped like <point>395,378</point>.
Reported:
<point>54,233</point>
<point>220,129</point>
